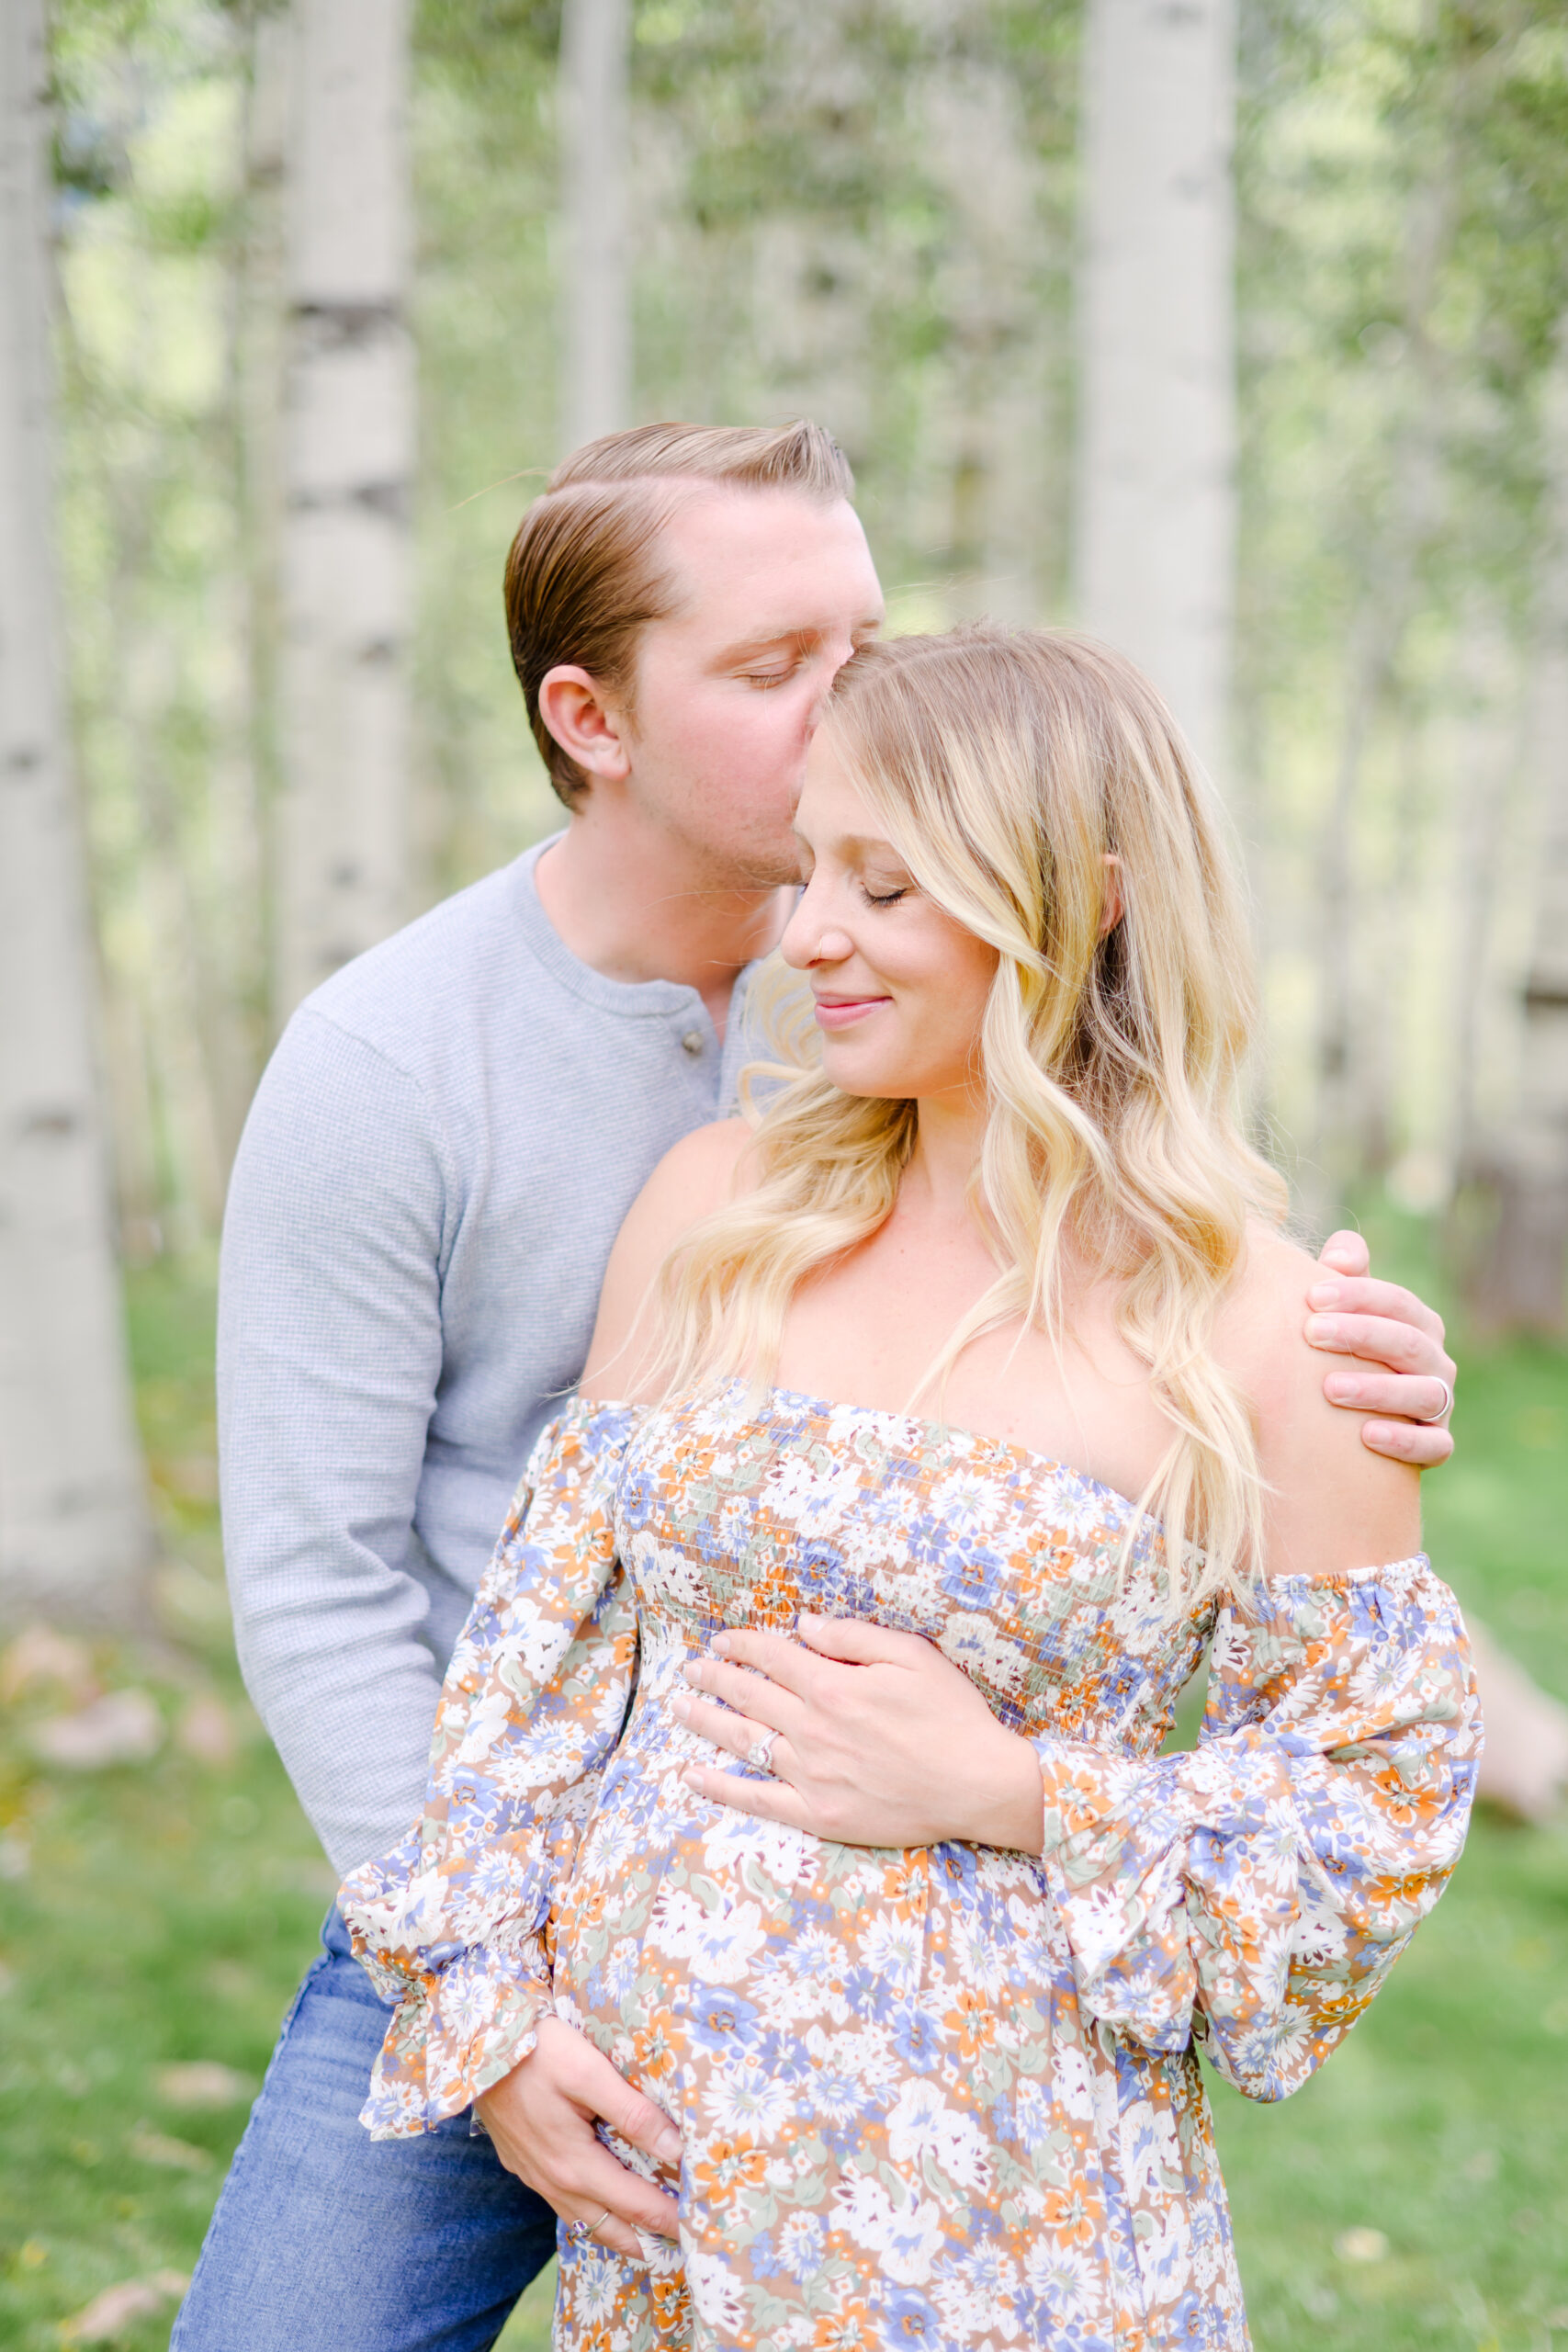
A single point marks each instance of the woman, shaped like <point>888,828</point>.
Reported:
<point>921,1987</point>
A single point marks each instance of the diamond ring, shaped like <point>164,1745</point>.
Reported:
<point>761,1752</point>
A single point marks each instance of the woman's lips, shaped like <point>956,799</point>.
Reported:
<point>841,1012</point>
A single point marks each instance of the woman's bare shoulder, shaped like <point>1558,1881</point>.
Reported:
<point>696,1175</point>
<point>1332,1505</point>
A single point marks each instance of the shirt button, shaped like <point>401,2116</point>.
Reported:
<point>692,1043</point>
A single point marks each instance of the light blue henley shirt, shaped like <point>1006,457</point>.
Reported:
<point>436,1164</point>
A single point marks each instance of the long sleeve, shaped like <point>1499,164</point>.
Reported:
<point>329,1361</point>
<point>1255,1893</point>
<point>453,1923</point>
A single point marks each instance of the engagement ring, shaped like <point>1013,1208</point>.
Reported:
<point>761,1752</point>
<point>581,2232</point>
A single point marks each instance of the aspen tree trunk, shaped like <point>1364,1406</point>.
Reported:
<point>1155,527</point>
<point>1521,1285</point>
<point>73,1529</point>
<point>813,275</point>
<point>596,337</point>
<point>977,147</point>
<point>348,459</point>
<point>1377,635</point>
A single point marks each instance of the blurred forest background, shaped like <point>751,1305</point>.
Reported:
<point>1242,337</point>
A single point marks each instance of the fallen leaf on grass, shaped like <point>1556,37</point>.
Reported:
<point>1361,2245</point>
<point>201,2082</point>
<point>124,1728</point>
<point>206,1733</point>
<point>174,2156</point>
<point>111,2314</point>
<point>39,1656</point>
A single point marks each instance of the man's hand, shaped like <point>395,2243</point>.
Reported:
<point>541,2118</point>
<point>1405,1370</point>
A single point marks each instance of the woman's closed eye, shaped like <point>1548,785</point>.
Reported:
<point>887,898</point>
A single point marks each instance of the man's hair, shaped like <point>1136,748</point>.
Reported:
<point>586,574</point>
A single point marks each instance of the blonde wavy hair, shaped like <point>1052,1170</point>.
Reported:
<point>1008,768</point>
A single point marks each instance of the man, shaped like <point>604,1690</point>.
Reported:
<point>436,1166</point>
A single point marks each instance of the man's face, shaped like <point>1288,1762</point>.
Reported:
<point>776,592</point>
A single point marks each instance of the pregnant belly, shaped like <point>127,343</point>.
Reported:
<point>688,1932</point>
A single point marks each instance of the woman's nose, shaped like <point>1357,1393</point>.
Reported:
<point>809,938</point>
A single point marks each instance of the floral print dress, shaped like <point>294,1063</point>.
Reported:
<point>948,2096</point>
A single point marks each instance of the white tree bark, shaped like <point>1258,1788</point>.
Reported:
<point>1522,1283</point>
<point>977,147</point>
<point>1156,527</point>
<point>596,332</point>
<point>73,1528</point>
<point>348,463</point>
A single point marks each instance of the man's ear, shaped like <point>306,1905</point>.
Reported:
<point>1111,912</point>
<point>586,723</point>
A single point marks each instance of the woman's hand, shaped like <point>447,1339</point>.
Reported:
<point>541,2118</point>
<point>881,1741</point>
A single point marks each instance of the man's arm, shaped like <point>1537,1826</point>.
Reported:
<point>1403,1369</point>
<point>329,1353</point>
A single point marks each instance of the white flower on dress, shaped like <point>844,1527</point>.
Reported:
<point>978,2297</point>
<point>467,2003</point>
<point>717,2291</point>
<point>1322,1938</point>
<point>598,2285</point>
<point>893,1948</point>
<point>669,1578</point>
<point>802,2239</point>
<point>747,2103</point>
<point>743,1840</point>
<point>1067,2282</point>
<point>720,1945</point>
<point>815,1497</point>
<point>920,2122</point>
<point>907,2238</point>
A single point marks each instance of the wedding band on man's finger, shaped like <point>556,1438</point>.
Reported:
<point>1421,1421</point>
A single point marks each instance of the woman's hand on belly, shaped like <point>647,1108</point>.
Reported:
<point>541,2118</point>
<point>880,1740</point>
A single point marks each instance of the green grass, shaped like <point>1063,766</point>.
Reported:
<point>167,1911</point>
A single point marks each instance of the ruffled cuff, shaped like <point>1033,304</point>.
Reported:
<point>468,2007</point>
<point>1129,1846</point>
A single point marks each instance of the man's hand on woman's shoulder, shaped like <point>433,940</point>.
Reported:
<point>1402,1374</point>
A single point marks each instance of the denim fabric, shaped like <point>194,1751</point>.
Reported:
<point>325,2241</point>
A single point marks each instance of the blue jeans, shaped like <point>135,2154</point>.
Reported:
<point>327,2240</point>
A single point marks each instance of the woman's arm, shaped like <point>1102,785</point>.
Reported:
<point>450,1926</point>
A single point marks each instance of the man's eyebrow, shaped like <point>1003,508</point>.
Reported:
<point>764,640</point>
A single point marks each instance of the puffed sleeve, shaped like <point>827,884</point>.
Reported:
<point>1255,1893</point>
<point>452,1924</point>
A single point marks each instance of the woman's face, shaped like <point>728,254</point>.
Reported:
<point>900,987</point>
